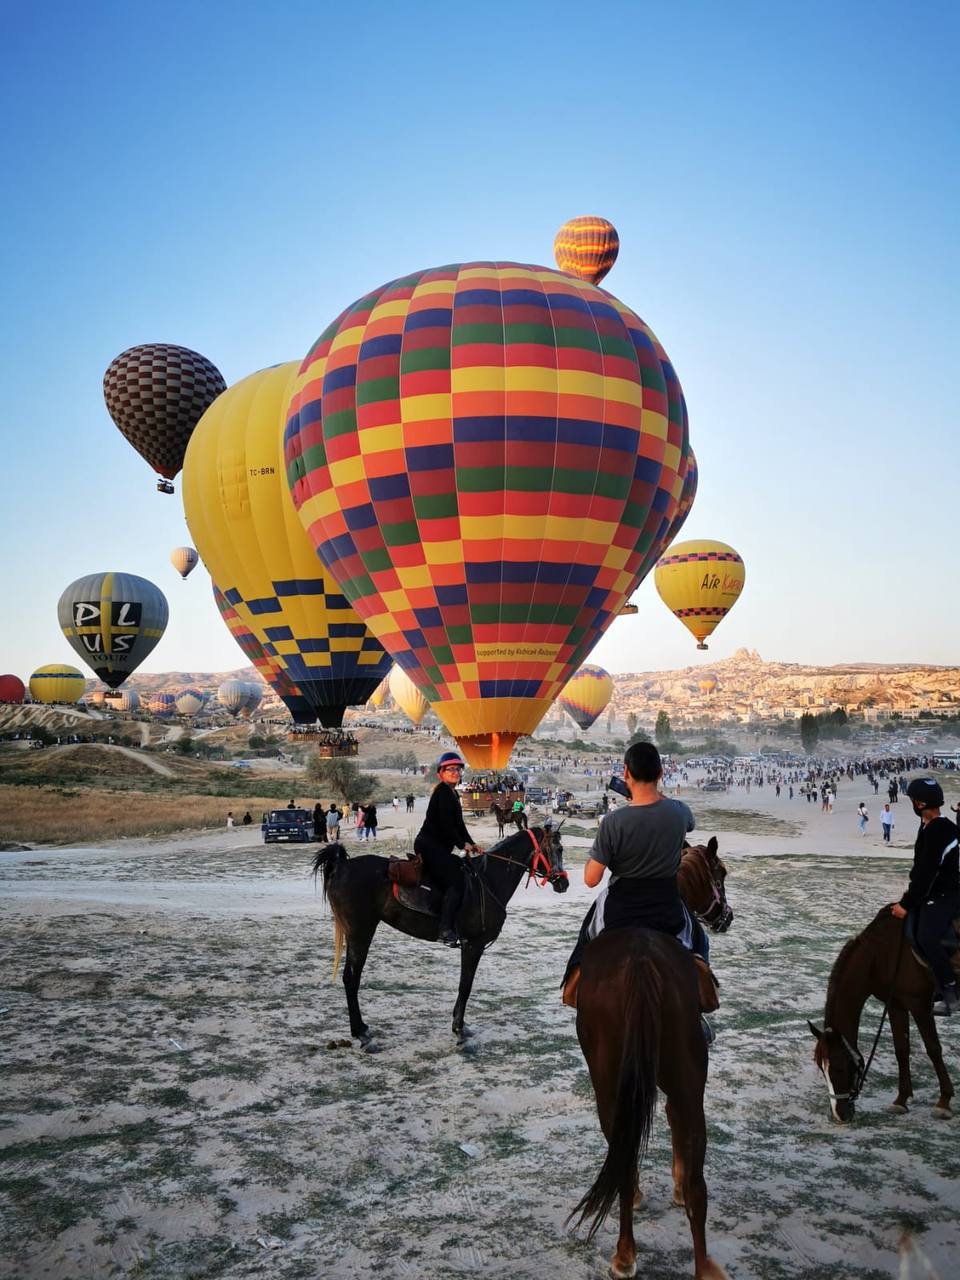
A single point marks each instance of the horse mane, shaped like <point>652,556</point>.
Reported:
<point>846,952</point>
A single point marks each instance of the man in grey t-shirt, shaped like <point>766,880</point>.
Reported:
<point>641,845</point>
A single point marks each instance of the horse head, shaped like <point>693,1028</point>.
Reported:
<point>842,1067</point>
<point>549,855</point>
<point>703,885</point>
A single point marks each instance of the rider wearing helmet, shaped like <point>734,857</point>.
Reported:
<point>932,898</point>
<point>443,831</point>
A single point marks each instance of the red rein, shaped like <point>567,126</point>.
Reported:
<point>540,868</point>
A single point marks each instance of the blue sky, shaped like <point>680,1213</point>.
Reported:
<point>228,177</point>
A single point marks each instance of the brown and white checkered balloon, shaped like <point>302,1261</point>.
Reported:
<point>156,393</point>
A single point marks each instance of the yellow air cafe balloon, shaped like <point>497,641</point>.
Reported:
<point>700,582</point>
<point>407,696</point>
<point>56,683</point>
<point>245,527</point>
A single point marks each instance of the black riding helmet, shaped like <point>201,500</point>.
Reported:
<point>926,792</point>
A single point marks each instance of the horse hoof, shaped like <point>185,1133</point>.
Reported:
<point>638,1199</point>
<point>622,1272</point>
<point>942,1113</point>
<point>900,1108</point>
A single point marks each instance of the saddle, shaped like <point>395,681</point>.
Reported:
<point>950,941</point>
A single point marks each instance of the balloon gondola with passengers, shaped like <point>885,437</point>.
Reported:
<point>328,744</point>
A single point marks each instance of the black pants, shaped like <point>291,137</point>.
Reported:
<point>624,908</point>
<point>932,924</point>
<point>444,870</point>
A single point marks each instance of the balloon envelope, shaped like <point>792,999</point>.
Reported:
<point>234,695</point>
<point>278,680</point>
<point>188,701</point>
<point>241,516</point>
<point>162,705</point>
<point>488,458</point>
<point>586,248</point>
<point>184,560</point>
<point>12,689</point>
<point>156,393</point>
<point>407,696</point>
<point>127,700</point>
<point>112,620</point>
<point>586,695</point>
<point>699,582</point>
<point>707,682</point>
<point>56,683</point>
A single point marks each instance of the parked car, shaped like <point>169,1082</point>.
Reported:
<point>714,785</point>
<point>286,824</point>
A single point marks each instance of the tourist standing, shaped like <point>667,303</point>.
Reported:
<point>886,823</point>
<point>862,818</point>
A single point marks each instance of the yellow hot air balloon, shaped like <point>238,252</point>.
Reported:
<point>586,695</point>
<point>242,519</point>
<point>699,582</point>
<point>707,682</point>
<point>56,683</point>
<point>379,695</point>
<point>407,696</point>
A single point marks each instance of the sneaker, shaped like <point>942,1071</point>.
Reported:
<point>948,1003</point>
<point>449,938</point>
<point>709,1034</point>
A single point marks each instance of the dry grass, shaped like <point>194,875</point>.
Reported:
<point>60,815</point>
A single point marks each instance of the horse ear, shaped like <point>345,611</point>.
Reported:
<point>712,846</point>
<point>817,1035</point>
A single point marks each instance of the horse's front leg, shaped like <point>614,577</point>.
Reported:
<point>358,946</point>
<point>931,1042</point>
<point>900,1028</point>
<point>470,953</point>
<point>688,1133</point>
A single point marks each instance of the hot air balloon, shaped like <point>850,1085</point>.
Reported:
<point>252,700</point>
<point>691,478</point>
<point>586,248</point>
<point>156,394</point>
<point>95,699</point>
<point>586,695</point>
<point>379,695</point>
<point>707,682</point>
<point>113,620</point>
<point>162,705</point>
<point>56,683</point>
<point>12,689</point>
<point>188,701</point>
<point>407,696</point>
<point>184,560</point>
<point>242,519</point>
<point>278,680</point>
<point>487,458</point>
<point>233,695</point>
<point>700,582</point>
<point>126,700</point>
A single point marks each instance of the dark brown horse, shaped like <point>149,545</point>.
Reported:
<point>361,896</point>
<point>702,883</point>
<point>878,963</point>
<point>506,817</point>
<point>638,1022</point>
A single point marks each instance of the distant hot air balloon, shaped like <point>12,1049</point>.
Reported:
<point>156,394</point>
<point>188,701</point>
<point>162,705</point>
<point>95,699</point>
<point>127,700</point>
<point>586,695</point>
<point>277,679</point>
<point>242,519</point>
<point>184,560</point>
<point>12,689</point>
<point>233,695</point>
<point>586,248</point>
<point>488,458</point>
<point>407,696</point>
<point>379,695</point>
<point>252,701</point>
<point>56,683</point>
<point>700,582</point>
<point>707,681</point>
<point>113,620</point>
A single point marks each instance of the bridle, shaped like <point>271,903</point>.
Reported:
<point>718,905</point>
<point>860,1069</point>
<point>539,868</point>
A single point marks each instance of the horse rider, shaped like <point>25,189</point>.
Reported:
<point>519,816</point>
<point>443,831</point>
<point>932,899</point>
<point>640,844</point>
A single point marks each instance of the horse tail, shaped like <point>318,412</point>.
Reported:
<point>327,860</point>
<point>636,1099</point>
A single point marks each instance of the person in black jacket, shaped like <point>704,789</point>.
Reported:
<point>443,831</point>
<point>933,894</point>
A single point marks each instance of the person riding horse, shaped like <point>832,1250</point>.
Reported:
<point>641,845</point>
<point>932,899</point>
<point>443,831</point>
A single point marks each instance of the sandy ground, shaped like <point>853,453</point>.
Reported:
<point>180,1098</point>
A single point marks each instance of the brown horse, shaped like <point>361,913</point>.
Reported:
<point>702,884</point>
<point>507,818</point>
<point>878,962</point>
<point>361,896</point>
<point>638,1023</point>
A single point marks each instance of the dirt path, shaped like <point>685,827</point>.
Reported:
<point>150,761</point>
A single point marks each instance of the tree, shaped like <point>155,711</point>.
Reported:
<point>342,778</point>
<point>632,721</point>
<point>809,732</point>
<point>662,730</point>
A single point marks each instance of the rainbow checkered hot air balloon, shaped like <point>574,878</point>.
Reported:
<point>488,458</point>
<point>586,248</point>
<point>586,695</point>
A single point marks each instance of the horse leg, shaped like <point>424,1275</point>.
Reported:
<point>688,1133</point>
<point>470,953</point>
<point>358,945</point>
<point>931,1042</point>
<point>623,1264</point>
<point>900,1027</point>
